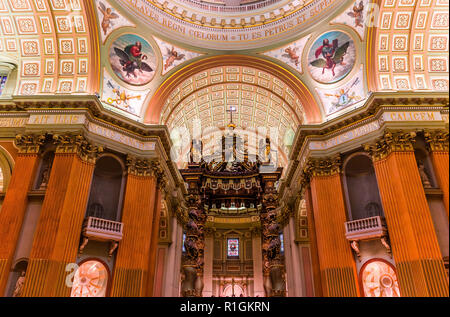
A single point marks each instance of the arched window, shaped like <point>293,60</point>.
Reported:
<point>378,279</point>
<point>106,189</point>
<point>90,280</point>
<point>362,193</point>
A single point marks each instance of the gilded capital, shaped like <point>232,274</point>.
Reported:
<point>138,167</point>
<point>158,171</point>
<point>392,141</point>
<point>322,167</point>
<point>437,140</point>
<point>75,143</point>
<point>29,143</point>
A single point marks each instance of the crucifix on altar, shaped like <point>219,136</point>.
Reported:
<point>231,110</point>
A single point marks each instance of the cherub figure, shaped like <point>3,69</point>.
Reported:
<point>108,15</point>
<point>291,53</point>
<point>172,56</point>
<point>357,14</point>
<point>332,55</point>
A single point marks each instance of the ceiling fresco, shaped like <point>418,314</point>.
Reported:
<point>162,62</point>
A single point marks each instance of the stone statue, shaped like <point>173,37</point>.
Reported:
<point>424,175</point>
<point>19,285</point>
<point>45,177</point>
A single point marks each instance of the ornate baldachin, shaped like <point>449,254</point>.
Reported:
<point>392,141</point>
<point>76,143</point>
<point>29,143</point>
<point>437,140</point>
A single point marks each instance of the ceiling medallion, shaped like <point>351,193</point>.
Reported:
<point>331,57</point>
<point>132,59</point>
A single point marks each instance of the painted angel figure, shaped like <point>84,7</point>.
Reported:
<point>291,53</point>
<point>172,56</point>
<point>131,58</point>
<point>357,13</point>
<point>332,55</point>
<point>108,15</point>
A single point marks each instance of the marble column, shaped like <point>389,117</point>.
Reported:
<point>208,266</point>
<point>289,262</point>
<point>437,141</point>
<point>297,263</point>
<point>258,282</point>
<point>419,264</point>
<point>58,231</point>
<point>172,271</point>
<point>133,254</point>
<point>12,212</point>
<point>337,263</point>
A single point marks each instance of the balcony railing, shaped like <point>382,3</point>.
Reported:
<point>102,229</point>
<point>367,228</point>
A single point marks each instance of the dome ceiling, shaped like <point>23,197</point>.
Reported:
<point>214,24</point>
<point>167,62</point>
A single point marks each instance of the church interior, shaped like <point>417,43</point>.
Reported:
<point>224,148</point>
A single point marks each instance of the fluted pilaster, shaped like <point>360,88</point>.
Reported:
<point>420,268</point>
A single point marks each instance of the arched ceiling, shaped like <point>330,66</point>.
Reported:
<point>204,56</point>
<point>52,45</point>
<point>409,49</point>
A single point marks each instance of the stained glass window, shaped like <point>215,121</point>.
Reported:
<point>184,239</point>
<point>3,79</point>
<point>233,247</point>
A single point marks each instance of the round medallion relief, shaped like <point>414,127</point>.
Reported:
<point>331,57</point>
<point>132,59</point>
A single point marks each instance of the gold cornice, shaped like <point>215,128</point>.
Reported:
<point>392,141</point>
<point>437,140</point>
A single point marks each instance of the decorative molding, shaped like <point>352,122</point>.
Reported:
<point>392,141</point>
<point>437,140</point>
<point>76,143</point>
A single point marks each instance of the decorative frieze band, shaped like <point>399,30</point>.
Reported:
<point>76,143</point>
<point>392,141</point>
<point>437,140</point>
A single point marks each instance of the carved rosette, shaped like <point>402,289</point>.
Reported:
<point>392,141</point>
<point>78,144</point>
<point>437,140</point>
<point>29,143</point>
